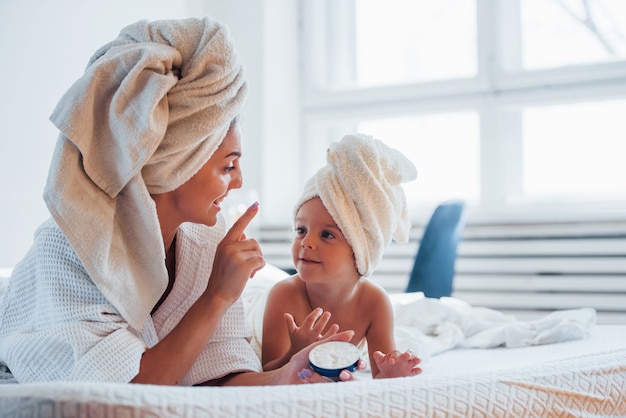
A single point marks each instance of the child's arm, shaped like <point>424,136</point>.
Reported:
<point>396,364</point>
<point>275,341</point>
<point>385,360</point>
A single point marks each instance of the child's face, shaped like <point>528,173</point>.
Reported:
<point>319,249</point>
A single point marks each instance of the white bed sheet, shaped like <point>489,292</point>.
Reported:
<point>603,339</point>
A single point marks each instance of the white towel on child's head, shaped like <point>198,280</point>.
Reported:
<point>361,188</point>
<point>151,108</point>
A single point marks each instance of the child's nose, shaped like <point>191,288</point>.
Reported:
<point>307,242</point>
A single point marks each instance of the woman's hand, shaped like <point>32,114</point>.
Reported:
<point>236,260</point>
<point>298,371</point>
<point>309,376</point>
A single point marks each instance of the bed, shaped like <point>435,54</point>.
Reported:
<point>574,376</point>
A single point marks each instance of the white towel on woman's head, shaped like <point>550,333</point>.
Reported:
<point>360,186</point>
<point>151,108</point>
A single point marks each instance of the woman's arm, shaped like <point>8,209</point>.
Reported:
<point>171,358</point>
<point>236,260</point>
<point>295,371</point>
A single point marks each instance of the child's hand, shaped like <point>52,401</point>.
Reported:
<point>396,364</point>
<point>311,330</point>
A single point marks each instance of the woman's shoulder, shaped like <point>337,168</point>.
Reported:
<point>49,238</point>
<point>48,228</point>
<point>51,255</point>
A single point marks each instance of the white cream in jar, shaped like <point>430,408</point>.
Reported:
<point>330,358</point>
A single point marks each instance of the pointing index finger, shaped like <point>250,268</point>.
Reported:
<point>236,231</point>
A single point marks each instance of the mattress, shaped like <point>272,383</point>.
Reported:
<point>575,378</point>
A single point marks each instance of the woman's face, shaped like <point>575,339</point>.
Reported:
<point>199,199</point>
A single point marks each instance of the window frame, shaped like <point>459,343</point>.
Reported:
<point>496,93</point>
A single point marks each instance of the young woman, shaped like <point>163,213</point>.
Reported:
<point>134,278</point>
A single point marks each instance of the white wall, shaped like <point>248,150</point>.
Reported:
<point>45,47</point>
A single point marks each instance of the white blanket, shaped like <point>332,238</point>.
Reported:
<point>431,326</point>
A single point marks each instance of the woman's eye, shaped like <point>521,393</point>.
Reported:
<point>229,168</point>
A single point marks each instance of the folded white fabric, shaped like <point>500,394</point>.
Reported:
<point>360,186</point>
<point>430,326</point>
<point>151,108</point>
<point>565,325</point>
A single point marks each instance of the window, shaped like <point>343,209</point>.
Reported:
<point>403,50</point>
<point>427,141</point>
<point>557,33</point>
<point>576,145</point>
<point>515,106</point>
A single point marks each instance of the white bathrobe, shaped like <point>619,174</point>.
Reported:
<point>57,325</point>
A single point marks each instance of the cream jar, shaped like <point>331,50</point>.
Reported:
<point>330,358</point>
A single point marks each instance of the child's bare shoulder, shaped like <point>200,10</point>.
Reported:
<point>281,296</point>
<point>373,292</point>
<point>373,288</point>
<point>290,284</point>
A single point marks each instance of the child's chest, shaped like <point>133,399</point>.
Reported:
<point>359,322</point>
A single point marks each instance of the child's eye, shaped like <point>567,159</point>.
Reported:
<point>299,230</point>
<point>327,234</point>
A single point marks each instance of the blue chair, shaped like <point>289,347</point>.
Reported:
<point>433,269</point>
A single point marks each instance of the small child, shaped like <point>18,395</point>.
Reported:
<point>348,214</point>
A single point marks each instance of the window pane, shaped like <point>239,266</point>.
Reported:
<point>565,32</point>
<point>443,147</point>
<point>575,150</point>
<point>400,41</point>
